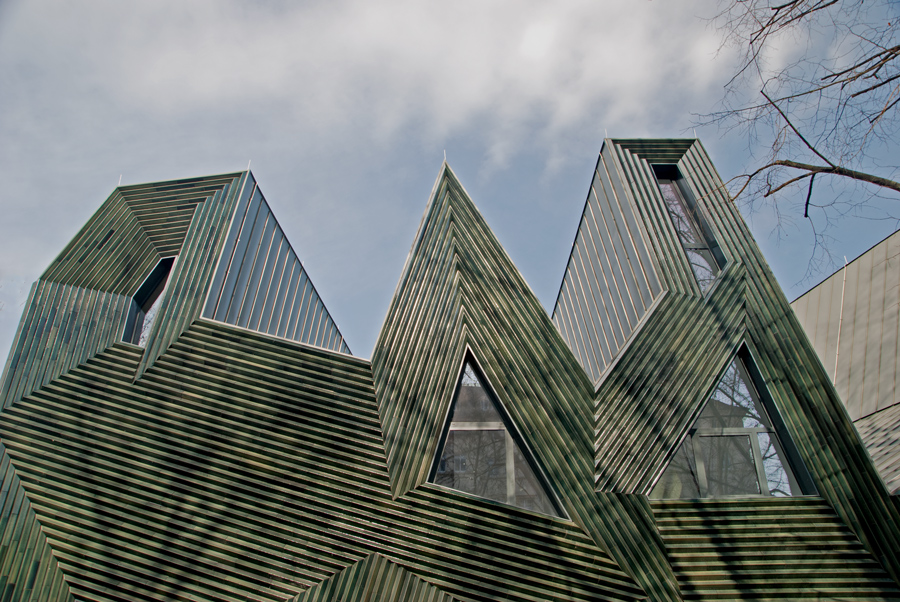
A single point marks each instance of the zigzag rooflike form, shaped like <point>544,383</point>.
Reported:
<point>245,465</point>
<point>459,290</point>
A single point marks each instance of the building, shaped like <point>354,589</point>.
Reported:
<point>181,419</point>
<point>852,322</point>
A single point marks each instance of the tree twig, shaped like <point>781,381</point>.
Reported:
<point>796,131</point>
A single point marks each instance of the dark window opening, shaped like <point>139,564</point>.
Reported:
<point>145,303</point>
<point>703,253</point>
<point>737,447</point>
<point>480,453</point>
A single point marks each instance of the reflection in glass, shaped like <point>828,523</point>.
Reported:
<point>702,266</point>
<point>732,448</point>
<point>733,404</point>
<point>480,455</point>
<point>778,478</point>
<point>145,304</point>
<point>680,478</point>
<point>475,462</point>
<point>687,226</point>
<point>729,465</point>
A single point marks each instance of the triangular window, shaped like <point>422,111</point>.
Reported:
<point>735,448</point>
<point>480,454</point>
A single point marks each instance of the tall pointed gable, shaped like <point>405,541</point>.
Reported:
<point>459,290</point>
<point>649,399</point>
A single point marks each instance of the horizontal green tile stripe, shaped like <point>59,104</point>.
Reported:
<point>656,150</point>
<point>62,327</point>
<point>242,465</point>
<point>374,579</point>
<point>756,549</point>
<point>28,567</point>
<point>459,290</point>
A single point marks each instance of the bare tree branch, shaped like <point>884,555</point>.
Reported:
<point>816,90</point>
<point>796,131</point>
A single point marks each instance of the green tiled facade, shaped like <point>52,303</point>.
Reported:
<point>227,461</point>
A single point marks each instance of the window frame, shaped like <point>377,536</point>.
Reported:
<point>706,244</point>
<point>148,294</point>
<point>799,478</point>
<point>513,439</point>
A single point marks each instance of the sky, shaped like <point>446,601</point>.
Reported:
<point>345,110</point>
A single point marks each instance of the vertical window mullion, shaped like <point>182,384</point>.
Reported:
<point>701,467</point>
<point>510,469</point>
<point>758,460</point>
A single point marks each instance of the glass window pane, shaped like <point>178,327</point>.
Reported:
<point>701,265</point>
<point>729,466</point>
<point>473,404</point>
<point>480,454</point>
<point>680,218</point>
<point>529,491</point>
<point>777,476</point>
<point>149,318</point>
<point>475,462</point>
<point>679,481</point>
<point>733,404</point>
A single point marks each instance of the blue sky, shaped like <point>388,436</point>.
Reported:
<point>345,109</point>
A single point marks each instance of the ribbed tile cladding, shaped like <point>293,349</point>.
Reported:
<point>460,290</point>
<point>610,282</point>
<point>62,327</point>
<point>79,306</point>
<point>260,283</point>
<point>642,415</point>
<point>374,579</point>
<point>29,570</point>
<point>768,549</point>
<point>661,384</point>
<point>247,467</point>
<point>239,465</point>
<point>189,282</point>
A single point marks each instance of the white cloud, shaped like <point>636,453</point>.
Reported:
<point>344,107</point>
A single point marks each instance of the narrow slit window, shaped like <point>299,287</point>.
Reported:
<point>145,303</point>
<point>734,448</point>
<point>480,455</point>
<point>699,246</point>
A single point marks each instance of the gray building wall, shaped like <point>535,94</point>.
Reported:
<point>852,322</point>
